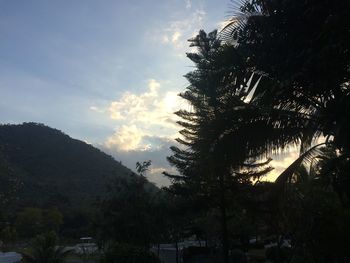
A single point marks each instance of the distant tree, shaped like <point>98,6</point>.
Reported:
<point>32,221</point>
<point>127,212</point>
<point>9,182</point>
<point>52,219</point>
<point>78,222</point>
<point>142,168</point>
<point>29,222</point>
<point>8,235</point>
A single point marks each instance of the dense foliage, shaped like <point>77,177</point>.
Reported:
<point>276,77</point>
<point>129,211</point>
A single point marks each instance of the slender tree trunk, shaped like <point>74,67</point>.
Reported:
<point>177,252</point>
<point>224,236</point>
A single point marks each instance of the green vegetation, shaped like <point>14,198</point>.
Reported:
<point>33,221</point>
<point>44,249</point>
<point>127,212</point>
<point>50,181</point>
<point>54,169</point>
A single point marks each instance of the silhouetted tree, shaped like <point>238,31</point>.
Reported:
<point>142,168</point>
<point>209,168</point>
<point>127,212</point>
<point>301,51</point>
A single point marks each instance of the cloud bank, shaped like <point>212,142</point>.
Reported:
<point>145,127</point>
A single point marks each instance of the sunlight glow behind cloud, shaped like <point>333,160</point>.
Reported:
<point>151,108</point>
<point>281,161</point>
<point>146,126</point>
<point>126,138</point>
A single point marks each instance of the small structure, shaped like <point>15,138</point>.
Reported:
<point>10,257</point>
<point>86,239</point>
<point>86,246</point>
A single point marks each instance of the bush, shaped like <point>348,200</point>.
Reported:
<point>124,253</point>
<point>276,254</point>
<point>8,234</point>
<point>44,249</point>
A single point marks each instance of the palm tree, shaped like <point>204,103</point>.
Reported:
<point>300,49</point>
<point>266,92</point>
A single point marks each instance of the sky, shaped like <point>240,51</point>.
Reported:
<point>106,72</point>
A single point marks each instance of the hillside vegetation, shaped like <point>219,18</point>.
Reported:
<point>52,169</point>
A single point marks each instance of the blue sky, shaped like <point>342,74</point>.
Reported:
<point>106,72</point>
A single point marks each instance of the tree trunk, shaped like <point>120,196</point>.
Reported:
<point>224,236</point>
<point>177,252</point>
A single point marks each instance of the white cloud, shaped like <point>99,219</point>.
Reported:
<point>126,138</point>
<point>146,127</point>
<point>188,4</point>
<point>146,121</point>
<point>96,109</point>
<point>175,37</point>
<point>177,32</point>
<point>153,85</point>
<point>151,108</point>
<point>165,39</point>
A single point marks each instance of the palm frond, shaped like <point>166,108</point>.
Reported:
<point>287,174</point>
<point>242,11</point>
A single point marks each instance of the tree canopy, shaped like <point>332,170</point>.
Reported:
<point>277,76</point>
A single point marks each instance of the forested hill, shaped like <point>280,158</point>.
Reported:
<point>53,169</point>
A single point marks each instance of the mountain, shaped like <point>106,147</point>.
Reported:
<point>53,169</point>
